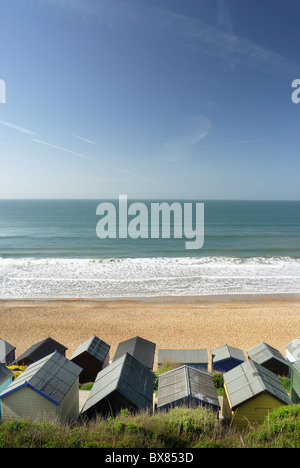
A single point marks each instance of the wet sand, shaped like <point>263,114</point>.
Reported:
<point>169,322</point>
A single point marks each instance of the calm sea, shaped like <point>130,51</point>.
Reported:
<point>50,249</point>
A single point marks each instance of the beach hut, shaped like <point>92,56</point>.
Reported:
<point>7,352</point>
<point>187,386</point>
<point>126,383</point>
<point>270,358</point>
<point>92,356</point>
<point>6,377</point>
<point>141,349</point>
<point>39,350</point>
<point>47,390</point>
<point>295,382</point>
<point>197,358</point>
<point>250,392</point>
<point>226,358</point>
<point>293,350</point>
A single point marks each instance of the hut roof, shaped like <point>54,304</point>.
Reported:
<point>141,349</point>
<point>186,381</point>
<point>183,356</point>
<point>5,373</point>
<point>296,365</point>
<point>94,346</point>
<point>41,349</point>
<point>263,352</point>
<point>227,352</point>
<point>294,348</point>
<point>51,377</point>
<point>126,376</point>
<point>250,379</point>
<point>5,349</point>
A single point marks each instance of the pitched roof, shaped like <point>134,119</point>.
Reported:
<point>126,375</point>
<point>263,352</point>
<point>294,348</point>
<point>227,352</point>
<point>5,349</point>
<point>41,349</point>
<point>141,349</point>
<point>296,365</point>
<point>5,374</point>
<point>183,356</point>
<point>250,379</point>
<point>183,382</point>
<point>51,377</point>
<point>93,346</point>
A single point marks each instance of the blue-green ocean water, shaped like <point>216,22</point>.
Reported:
<point>50,248</point>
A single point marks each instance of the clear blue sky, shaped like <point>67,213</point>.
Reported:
<point>150,98</point>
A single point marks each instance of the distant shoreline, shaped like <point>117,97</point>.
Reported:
<point>165,299</point>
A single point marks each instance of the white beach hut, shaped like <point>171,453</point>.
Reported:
<point>293,350</point>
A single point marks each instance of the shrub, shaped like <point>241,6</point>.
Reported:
<point>281,428</point>
<point>218,381</point>
<point>16,370</point>
<point>177,428</point>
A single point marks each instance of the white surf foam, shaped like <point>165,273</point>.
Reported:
<point>146,277</point>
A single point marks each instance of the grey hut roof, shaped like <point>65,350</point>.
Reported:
<point>5,374</point>
<point>296,365</point>
<point>41,349</point>
<point>5,349</point>
<point>227,352</point>
<point>124,383</point>
<point>294,348</point>
<point>141,349</point>
<point>51,377</point>
<point>183,356</point>
<point>250,379</point>
<point>94,346</point>
<point>263,352</point>
<point>178,384</point>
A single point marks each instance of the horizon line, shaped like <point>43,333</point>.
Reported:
<point>154,199</point>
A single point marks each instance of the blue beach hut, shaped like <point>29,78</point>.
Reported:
<point>226,358</point>
<point>6,377</point>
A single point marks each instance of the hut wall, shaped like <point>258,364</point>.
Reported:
<point>3,387</point>
<point>290,357</point>
<point>5,384</point>
<point>278,368</point>
<point>226,407</point>
<point>10,358</point>
<point>226,365</point>
<point>295,386</point>
<point>252,411</point>
<point>27,404</point>
<point>69,406</point>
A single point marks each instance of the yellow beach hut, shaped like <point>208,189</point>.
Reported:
<point>250,392</point>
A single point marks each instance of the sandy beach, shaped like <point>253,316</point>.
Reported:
<point>170,322</point>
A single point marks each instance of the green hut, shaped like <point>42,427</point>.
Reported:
<point>295,382</point>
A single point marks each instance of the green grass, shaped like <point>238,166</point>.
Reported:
<point>178,428</point>
<point>87,386</point>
